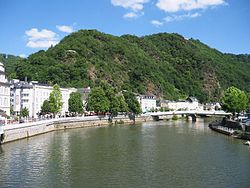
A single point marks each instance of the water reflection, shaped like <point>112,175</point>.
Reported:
<point>152,154</point>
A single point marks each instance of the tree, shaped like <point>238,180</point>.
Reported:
<point>75,103</point>
<point>112,97</point>
<point>133,104</point>
<point>45,108</point>
<point>11,110</point>
<point>97,101</point>
<point>55,100</point>
<point>248,96</point>
<point>234,100</point>
<point>24,112</point>
<point>114,106</point>
<point>123,106</point>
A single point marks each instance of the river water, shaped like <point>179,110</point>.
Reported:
<point>152,154</point>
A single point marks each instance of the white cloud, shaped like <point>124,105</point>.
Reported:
<point>186,5</point>
<point>156,23</point>
<point>41,43</point>
<point>41,39</point>
<point>22,55</point>
<point>65,28</point>
<point>181,17</point>
<point>135,5</point>
<point>130,15</point>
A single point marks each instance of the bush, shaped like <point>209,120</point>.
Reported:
<point>175,117</point>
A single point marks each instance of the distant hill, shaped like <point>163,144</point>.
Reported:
<point>167,65</point>
<point>10,62</point>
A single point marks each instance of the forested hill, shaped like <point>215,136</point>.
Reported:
<point>167,65</point>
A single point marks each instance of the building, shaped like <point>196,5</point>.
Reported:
<point>32,95</point>
<point>4,92</point>
<point>212,106</point>
<point>191,103</point>
<point>147,102</point>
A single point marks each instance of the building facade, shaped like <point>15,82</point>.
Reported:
<point>191,103</point>
<point>147,102</point>
<point>4,91</point>
<point>32,95</point>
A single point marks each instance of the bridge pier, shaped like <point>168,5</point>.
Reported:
<point>156,118</point>
<point>190,117</point>
<point>194,117</point>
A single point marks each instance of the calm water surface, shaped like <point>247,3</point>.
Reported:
<point>152,154</point>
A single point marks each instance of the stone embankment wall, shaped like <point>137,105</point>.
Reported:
<point>25,130</point>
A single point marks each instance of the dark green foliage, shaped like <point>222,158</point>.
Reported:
<point>75,103</point>
<point>133,104</point>
<point>163,64</point>
<point>55,100</point>
<point>97,101</point>
<point>45,108</point>
<point>123,106</point>
<point>24,112</point>
<point>248,96</point>
<point>10,63</point>
<point>234,100</point>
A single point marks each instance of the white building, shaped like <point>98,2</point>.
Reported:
<point>32,95</point>
<point>147,102</point>
<point>4,91</point>
<point>191,103</point>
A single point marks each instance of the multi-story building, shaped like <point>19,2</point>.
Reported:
<point>191,103</point>
<point>32,95</point>
<point>4,91</point>
<point>147,102</point>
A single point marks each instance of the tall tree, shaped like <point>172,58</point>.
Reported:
<point>24,112</point>
<point>132,102</point>
<point>112,97</point>
<point>234,100</point>
<point>123,106</point>
<point>75,103</point>
<point>55,100</point>
<point>97,101</point>
<point>45,108</point>
<point>248,96</point>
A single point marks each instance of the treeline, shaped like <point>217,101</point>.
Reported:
<point>105,98</point>
<point>101,100</point>
<point>166,65</point>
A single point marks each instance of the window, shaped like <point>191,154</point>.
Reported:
<point>5,102</point>
<point>25,94</point>
<point>25,100</point>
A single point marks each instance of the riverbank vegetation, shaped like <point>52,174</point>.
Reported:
<point>234,100</point>
<point>106,99</point>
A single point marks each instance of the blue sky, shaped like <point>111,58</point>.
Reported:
<point>31,25</point>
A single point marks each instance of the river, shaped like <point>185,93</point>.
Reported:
<point>151,154</point>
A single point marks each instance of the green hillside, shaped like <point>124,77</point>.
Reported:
<point>163,64</point>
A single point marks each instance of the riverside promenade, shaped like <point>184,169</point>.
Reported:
<point>14,132</point>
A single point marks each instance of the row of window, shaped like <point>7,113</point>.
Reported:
<point>3,78</point>
<point>4,101</point>
<point>25,95</point>
<point>4,90</point>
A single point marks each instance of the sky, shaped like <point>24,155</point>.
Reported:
<point>28,26</point>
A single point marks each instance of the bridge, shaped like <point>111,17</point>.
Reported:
<point>192,113</point>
